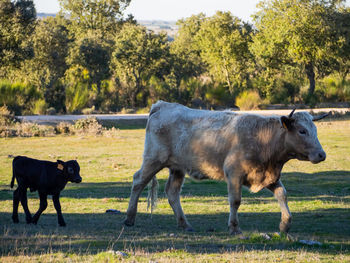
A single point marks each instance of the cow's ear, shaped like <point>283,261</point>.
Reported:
<point>60,165</point>
<point>287,123</point>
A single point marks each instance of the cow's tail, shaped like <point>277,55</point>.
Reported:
<point>13,171</point>
<point>152,194</point>
<point>13,180</point>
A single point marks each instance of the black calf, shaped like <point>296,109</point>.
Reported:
<point>49,178</point>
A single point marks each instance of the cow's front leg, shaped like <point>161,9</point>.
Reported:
<point>42,207</point>
<point>16,199</point>
<point>140,179</point>
<point>24,202</point>
<point>281,195</point>
<point>173,189</point>
<point>56,203</point>
<point>234,186</point>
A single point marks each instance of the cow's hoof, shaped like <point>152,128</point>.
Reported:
<point>15,220</point>
<point>189,229</point>
<point>128,222</point>
<point>235,232</point>
<point>62,223</point>
<point>29,220</point>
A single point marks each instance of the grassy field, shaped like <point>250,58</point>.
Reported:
<point>319,199</point>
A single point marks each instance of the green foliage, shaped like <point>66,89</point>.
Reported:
<point>77,97</point>
<point>98,16</point>
<point>334,88</point>
<point>297,33</point>
<point>20,98</point>
<point>17,22</point>
<point>219,95</point>
<point>248,100</point>
<point>187,61</point>
<point>93,54</point>
<point>40,107</point>
<point>223,41</point>
<point>137,56</point>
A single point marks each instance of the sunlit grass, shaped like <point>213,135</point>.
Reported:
<point>319,199</point>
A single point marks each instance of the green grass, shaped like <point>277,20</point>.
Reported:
<point>319,199</point>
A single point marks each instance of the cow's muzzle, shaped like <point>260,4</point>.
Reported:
<point>317,157</point>
<point>77,180</point>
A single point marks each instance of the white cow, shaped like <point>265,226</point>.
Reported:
<point>243,149</point>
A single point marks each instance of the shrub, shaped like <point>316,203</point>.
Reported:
<point>19,97</point>
<point>7,118</point>
<point>51,111</point>
<point>248,100</point>
<point>40,107</point>
<point>64,128</point>
<point>88,126</point>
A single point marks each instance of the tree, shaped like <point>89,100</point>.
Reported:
<point>137,56</point>
<point>223,41</point>
<point>99,16</point>
<point>50,45</point>
<point>297,33</point>
<point>17,22</point>
<point>341,20</point>
<point>93,54</point>
<point>187,61</point>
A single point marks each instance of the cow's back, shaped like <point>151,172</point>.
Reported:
<point>193,140</point>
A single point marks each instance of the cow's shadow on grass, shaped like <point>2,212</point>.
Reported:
<point>325,186</point>
<point>91,233</point>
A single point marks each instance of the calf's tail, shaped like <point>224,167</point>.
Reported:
<point>152,194</point>
<point>13,179</point>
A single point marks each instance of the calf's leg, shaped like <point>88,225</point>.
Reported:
<point>173,189</point>
<point>281,195</point>
<point>24,202</point>
<point>16,199</point>
<point>42,207</point>
<point>140,180</point>
<point>56,202</point>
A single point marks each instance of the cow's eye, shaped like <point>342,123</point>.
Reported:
<point>303,132</point>
<point>70,170</point>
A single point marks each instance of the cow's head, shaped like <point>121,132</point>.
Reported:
<point>301,137</point>
<point>71,169</point>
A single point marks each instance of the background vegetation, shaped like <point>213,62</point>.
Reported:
<point>91,57</point>
<point>319,199</point>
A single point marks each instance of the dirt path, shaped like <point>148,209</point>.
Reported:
<point>54,119</point>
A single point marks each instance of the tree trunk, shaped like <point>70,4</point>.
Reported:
<point>311,76</point>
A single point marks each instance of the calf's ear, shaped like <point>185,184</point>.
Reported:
<point>60,164</point>
<point>287,123</point>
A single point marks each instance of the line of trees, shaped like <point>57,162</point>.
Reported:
<point>90,56</point>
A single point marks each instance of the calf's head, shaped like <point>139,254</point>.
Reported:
<point>301,139</point>
<point>70,169</point>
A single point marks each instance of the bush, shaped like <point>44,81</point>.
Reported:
<point>40,107</point>
<point>64,128</point>
<point>88,126</point>
<point>248,100</point>
<point>7,118</point>
<point>20,98</point>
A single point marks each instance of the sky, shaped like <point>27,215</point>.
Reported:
<point>173,10</point>
<point>170,10</point>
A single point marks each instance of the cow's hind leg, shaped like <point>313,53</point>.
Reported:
<point>24,202</point>
<point>42,207</point>
<point>16,199</point>
<point>281,195</point>
<point>234,187</point>
<point>140,180</point>
<point>173,189</point>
